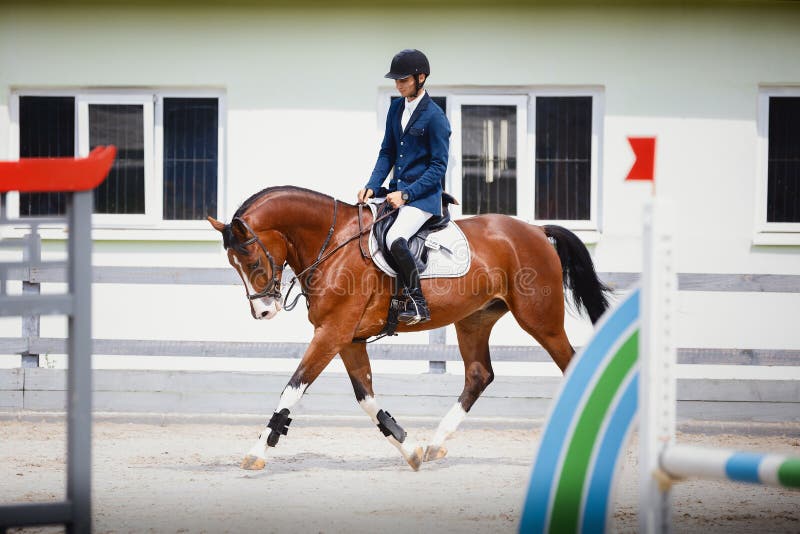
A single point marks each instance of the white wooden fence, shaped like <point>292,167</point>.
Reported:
<point>186,391</point>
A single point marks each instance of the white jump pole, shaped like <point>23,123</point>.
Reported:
<point>661,460</point>
<point>657,361</point>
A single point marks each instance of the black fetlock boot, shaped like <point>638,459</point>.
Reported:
<point>417,309</point>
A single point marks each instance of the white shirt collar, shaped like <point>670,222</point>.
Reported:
<point>412,105</point>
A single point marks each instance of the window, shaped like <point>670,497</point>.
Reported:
<point>121,125</point>
<point>168,159</point>
<point>190,157</point>
<point>563,157</point>
<point>46,130</point>
<point>530,153</point>
<point>778,195</point>
<point>783,160</point>
<point>488,143</point>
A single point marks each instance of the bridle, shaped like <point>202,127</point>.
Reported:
<point>273,288</point>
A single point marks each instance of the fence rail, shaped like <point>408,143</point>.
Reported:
<point>715,282</point>
<point>411,352</point>
<point>436,352</point>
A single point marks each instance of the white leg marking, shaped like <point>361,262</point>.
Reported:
<point>371,407</point>
<point>407,448</point>
<point>289,398</point>
<point>449,424</point>
<point>260,448</point>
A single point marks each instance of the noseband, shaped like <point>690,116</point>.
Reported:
<point>273,288</point>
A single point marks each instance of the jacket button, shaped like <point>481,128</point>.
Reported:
<point>401,155</point>
<point>402,143</point>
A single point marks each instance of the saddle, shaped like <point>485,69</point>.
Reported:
<point>440,249</point>
<point>417,243</point>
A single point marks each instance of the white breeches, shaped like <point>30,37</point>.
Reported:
<point>409,220</point>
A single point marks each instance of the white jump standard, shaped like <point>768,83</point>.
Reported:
<point>629,366</point>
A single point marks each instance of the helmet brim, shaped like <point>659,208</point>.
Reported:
<point>395,76</point>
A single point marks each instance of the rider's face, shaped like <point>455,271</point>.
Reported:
<point>407,86</point>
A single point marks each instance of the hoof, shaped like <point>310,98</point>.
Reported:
<point>253,463</point>
<point>415,459</point>
<point>433,453</point>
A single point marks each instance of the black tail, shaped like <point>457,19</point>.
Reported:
<point>588,292</point>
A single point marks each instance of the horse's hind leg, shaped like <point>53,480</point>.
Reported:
<point>543,318</point>
<point>356,362</point>
<point>473,342</point>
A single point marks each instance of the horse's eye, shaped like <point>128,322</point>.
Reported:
<point>255,265</point>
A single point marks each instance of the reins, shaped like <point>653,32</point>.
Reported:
<point>321,258</point>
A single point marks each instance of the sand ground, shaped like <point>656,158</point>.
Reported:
<point>340,475</point>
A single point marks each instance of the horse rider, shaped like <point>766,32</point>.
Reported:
<point>416,144</point>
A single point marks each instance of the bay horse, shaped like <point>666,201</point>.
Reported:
<point>515,267</point>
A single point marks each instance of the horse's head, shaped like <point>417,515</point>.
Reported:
<point>258,257</point>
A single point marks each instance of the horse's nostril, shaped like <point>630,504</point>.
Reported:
<point>264,313</point>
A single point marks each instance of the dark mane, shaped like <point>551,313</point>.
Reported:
<point>274,189</point>
<point>229,239</point>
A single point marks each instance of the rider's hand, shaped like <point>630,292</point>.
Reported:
<point>364,194</point>
<point>395,199</point>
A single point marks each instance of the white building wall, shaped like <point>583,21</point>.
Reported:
<point>302,95</point>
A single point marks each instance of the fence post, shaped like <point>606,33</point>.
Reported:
<point>437,338</point>
<point>32,256</point>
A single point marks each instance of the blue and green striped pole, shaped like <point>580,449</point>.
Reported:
<point>684,461</point>
<point>587,427</point>
<point>605,386</point>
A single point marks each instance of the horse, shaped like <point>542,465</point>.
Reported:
<point>515,267</point>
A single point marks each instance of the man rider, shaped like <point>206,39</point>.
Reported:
<point>416,144</point>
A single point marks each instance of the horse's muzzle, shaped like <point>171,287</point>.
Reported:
<point>265,310</point>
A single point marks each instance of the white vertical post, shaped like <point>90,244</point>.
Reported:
<point>437,338</point>
<point>32,255</point>
<point>79,373</point>
<point>657,360</point>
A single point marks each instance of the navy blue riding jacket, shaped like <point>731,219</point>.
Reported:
<point>418,154</point>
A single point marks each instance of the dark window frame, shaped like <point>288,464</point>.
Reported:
<point>153,218</point>
<point>782,200</point>
<point>592,227</point>
<point>563,158</point>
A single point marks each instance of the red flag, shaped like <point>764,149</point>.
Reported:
<point>57,174</point>
<point>644,149</point>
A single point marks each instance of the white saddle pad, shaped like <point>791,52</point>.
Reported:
<point>448,252</point>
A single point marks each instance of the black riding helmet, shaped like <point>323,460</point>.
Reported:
<point>408,62</point>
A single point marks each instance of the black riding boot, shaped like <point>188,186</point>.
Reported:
<point>417,311</point>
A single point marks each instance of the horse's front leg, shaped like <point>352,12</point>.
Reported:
<point>320,352</point>
<point>356,361</point>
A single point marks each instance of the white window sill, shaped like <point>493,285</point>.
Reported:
<point>56,233</point>
<point>777,238</point>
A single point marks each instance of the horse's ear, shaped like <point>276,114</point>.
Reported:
<point>218,226</point>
